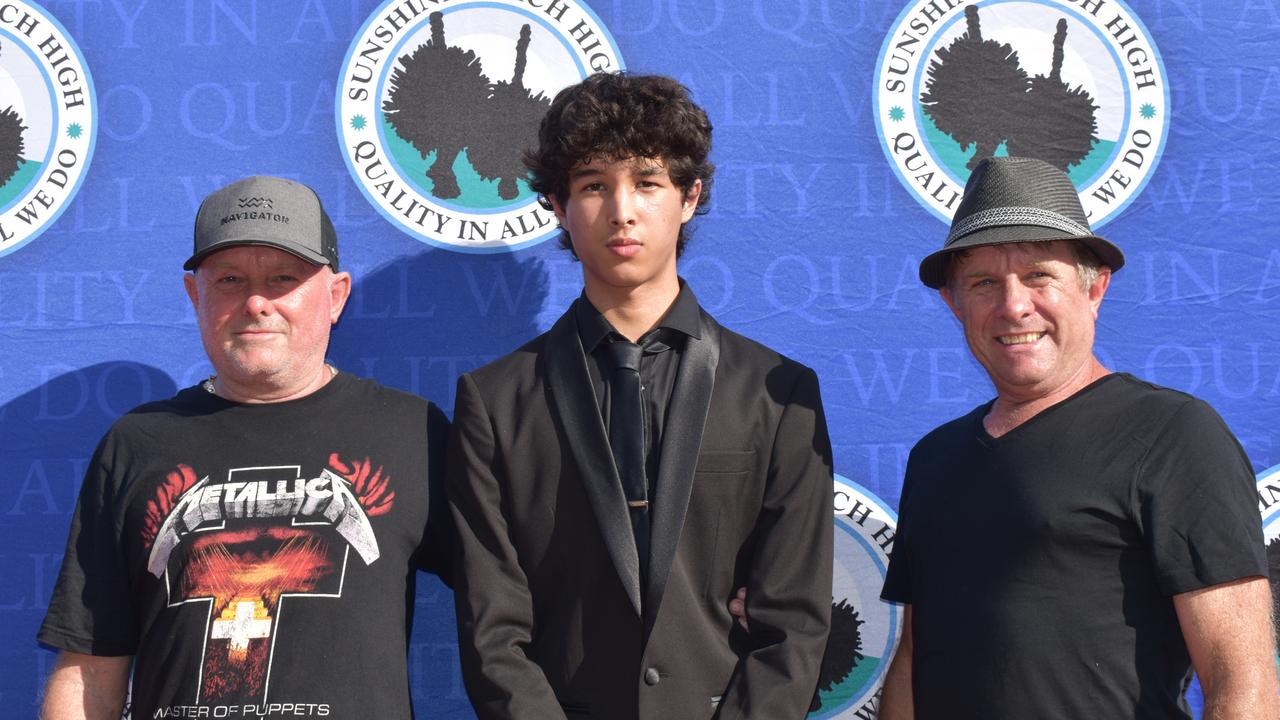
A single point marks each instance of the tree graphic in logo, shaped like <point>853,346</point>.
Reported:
<point>978,93</point>
<point>11,146</point>
<point>1061,125</point>
<point>843,653</point>
<point>440,102</point>
<point>976,90</point>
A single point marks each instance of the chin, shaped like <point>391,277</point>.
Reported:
<point>622,277</point>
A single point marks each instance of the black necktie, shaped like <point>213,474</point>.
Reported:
<point>626,439</point>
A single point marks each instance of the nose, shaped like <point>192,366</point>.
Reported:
<point>1016,302</point>
<point>622,208</point>
<point>257,302</point>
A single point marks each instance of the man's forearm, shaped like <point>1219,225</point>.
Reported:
<point>86,687</point>
<point>896,702</point>
<point>1247,700</point>
<point>1229,636</point>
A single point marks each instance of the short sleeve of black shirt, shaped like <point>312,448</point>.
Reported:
<point>91,611</point>
<point>1196,503</point>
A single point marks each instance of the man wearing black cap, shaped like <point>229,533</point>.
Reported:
<point>249,546</point>
<point>1072,548</point>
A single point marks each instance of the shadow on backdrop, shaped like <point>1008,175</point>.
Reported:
<point>48,435</point>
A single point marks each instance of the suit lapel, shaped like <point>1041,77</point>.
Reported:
<point>681,440</point>
<point>579,413</point>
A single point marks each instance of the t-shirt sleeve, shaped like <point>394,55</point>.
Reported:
<point>90,611</point>
<point>1197,503</point>
<point>897,579</point>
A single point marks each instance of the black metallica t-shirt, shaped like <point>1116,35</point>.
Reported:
<point>257,560</point>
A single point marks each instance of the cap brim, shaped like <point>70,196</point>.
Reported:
<point>312,257</point>
<point>933,268</point>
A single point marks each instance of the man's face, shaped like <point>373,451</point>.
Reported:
<point>623,217</point>
<point>1026,317</point>
<point>264,318</point>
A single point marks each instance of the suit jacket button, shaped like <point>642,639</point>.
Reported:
<point>651,676</point>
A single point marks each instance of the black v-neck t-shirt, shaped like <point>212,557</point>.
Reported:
<point>1039,565</point>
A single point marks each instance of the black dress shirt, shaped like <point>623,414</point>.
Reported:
<point>663,346</point>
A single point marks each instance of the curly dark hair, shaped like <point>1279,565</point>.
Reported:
<point>615,116</point>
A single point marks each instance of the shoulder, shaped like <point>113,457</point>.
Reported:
<point>154,426</point>
<point>1155,410</point>
<point>1128,391</point>
<point>507,382</point>
<point>393,410</point>
<point>519,365</point>
<point>186,403</point>
<point>739,353</point>
<point>354,387</point>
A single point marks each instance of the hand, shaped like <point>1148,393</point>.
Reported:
<point>738,607</point>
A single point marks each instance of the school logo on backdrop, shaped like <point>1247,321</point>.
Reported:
<point>436,107</point>
<point>1269,506</point>
<point>48,122</point>
<point>1079,84</point>
<point>864,628</point>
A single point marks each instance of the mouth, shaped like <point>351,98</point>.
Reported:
<point>625,247</point>
<point>1020,339</point>
<point>256,332</point>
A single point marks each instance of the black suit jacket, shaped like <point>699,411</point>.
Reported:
<point>552,619</point>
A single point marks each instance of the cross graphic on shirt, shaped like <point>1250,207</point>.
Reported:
<point>245,571</point>
<point>245,624</point>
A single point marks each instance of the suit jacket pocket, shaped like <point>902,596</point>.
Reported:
<point>722,476</point>
<point>572,709</point>
<point>720,462</point>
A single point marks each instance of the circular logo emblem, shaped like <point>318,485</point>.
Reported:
<point>435,110</point>
<point>1077,84</point>
<point>864,628</point>
<point>1269,504</point>
<point>48,122</point>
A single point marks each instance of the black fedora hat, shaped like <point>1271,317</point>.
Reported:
<point>1013,200</point>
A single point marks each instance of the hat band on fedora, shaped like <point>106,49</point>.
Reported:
<point>1004,216</point>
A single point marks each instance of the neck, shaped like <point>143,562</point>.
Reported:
<point>634,311</point>
<point>257,394</point>
<point>1011,410</point>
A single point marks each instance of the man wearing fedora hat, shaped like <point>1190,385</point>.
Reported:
<point>249,546</point>
<point>1075,546</point>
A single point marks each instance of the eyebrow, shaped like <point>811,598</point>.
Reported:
<point>581,172</point>
<point>1037,264</point>
<point>647,170</point>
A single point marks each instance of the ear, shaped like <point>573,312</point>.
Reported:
<point>556,208</point>
<point>951,300</point>
<point>691,201</point>
<point>1098,289</point>
<point>339,291</point>
<point>193,292</point>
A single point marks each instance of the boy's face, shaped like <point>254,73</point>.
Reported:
<point>623,218</point>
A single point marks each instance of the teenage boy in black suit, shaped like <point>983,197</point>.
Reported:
<point>607,513</point>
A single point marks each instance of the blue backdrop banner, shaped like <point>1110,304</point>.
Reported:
<point>844,132</point>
